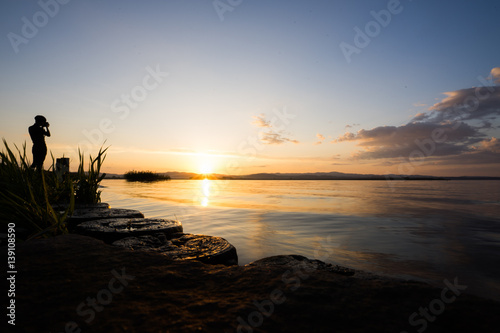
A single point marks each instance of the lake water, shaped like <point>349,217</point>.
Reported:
<point>425,230</point>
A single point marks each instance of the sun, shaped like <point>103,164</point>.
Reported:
<point>205,163</point>
<point>206,167</point>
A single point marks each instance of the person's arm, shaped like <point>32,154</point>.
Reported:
<point>47,132</point>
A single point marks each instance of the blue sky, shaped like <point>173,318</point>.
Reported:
<point>189,85</point>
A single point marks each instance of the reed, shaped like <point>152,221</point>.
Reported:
<point>27,196</point>
<point>87,183</point>
<point>39,202</point>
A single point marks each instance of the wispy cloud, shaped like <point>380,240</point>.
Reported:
<point>321,138</point>
<point>260,121</point>
<point>273,138</point>
<point>270,135</point>
<point>491,145</point>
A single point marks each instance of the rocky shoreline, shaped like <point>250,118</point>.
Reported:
<point>76,283</point>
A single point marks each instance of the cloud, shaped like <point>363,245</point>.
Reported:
<point>351,126</point>
<point>260,121</point>
<point>466,104</point>
<point>451,131</point>
<point>420,116</point>
<point>491,145</point>
<point>321,138</point>
<point>269,134</point>
<point>495,74</point>
<point>400,135</point>
<point>473,157</point>
<point>426,138</point>
<point>455,130</point>
<point>271,138</point>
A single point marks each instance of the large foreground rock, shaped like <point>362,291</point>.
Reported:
<point>74,282</point>
<point>207,249</point>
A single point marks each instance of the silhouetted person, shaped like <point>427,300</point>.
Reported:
<point>38,132</point>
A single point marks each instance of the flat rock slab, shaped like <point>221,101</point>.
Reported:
<point>207,249</point>
<point>111,230</point>
<point>97,205</point>
<point>63,207</point>
<point>93,213</point>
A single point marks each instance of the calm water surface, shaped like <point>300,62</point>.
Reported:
<point>427,230</point>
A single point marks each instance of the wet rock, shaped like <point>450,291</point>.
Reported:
<point>99,212</point>
<point>207,249</point>
<point>111,230</point>
<point>302,263</point>
<point>92,206</point>
<point>64,206</point>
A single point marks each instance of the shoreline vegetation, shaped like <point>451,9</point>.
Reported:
<point>145,176</point>
<point>40,202</point>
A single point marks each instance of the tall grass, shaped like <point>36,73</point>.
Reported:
<point>27,196</point>
<point>39,202</point>
<point>87,183</point>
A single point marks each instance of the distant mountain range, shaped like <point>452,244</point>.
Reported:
<point>308,176</point>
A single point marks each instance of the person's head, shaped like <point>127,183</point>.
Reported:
<point>40,120</point>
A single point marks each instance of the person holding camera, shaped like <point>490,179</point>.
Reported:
<point>38,132</point>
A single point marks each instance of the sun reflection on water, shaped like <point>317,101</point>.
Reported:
<point>205,190</point>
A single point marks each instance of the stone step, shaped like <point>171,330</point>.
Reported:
<point>97,205</point>
<point>113,229</point>
<point>92,213</point>
<point>207,249</point>
<point>64,206</point>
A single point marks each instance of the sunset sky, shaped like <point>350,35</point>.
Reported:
<point>250,86</point>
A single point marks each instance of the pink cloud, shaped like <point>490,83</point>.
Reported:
<point>495,74</point>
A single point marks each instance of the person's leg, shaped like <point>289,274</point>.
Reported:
<point>39,154</point>
<point>34,152</point>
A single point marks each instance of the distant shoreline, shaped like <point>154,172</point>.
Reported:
<point>193,176</point>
